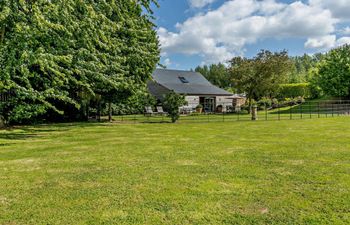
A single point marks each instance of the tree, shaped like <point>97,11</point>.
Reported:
<point>58,55</point>
<point>172,102</point>
<point>333,72</point>
<point>302,67</point>
<point>216,73</point>
<point>261,75</point>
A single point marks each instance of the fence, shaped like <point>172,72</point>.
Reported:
<point>308,110</point>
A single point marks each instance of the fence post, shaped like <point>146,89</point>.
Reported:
<point>255,112</point>
<point>318,110</point>
<point>279,112</point>
<point>134,118</point>
<point>290,112</point>
<point>332,110</point>
<point>301,111</point>
<point>265,112</point>
<point>310,110</point>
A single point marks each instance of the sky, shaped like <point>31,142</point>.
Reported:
<point>203,32</point>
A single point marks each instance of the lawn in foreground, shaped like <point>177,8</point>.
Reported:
<point>276,172</point>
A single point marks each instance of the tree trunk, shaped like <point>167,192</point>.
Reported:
<point>249,103</point>
<point>110,112</point>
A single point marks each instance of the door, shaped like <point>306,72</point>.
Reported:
<point>208,104</point>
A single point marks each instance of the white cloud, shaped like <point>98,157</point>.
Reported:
<point>222,33</point>
<point>343,41</point>
<point>325,42</point>
<point>167,62</point>
<point>339,8</point>
<point>345,31</point>
<point>200,3</point>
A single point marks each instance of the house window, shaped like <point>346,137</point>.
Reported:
<point>184,80</point>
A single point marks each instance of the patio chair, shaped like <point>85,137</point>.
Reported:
<point>148,111</point>
<point>161,111</point>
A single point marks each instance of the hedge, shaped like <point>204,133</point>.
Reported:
<point>294,90</point>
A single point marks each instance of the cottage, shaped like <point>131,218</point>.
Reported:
<point>193,85</point>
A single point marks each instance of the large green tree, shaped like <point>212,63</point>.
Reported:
<point>333,72</point>
<point>56,56</point>
<point>261,75</point>
<point>216,73</point>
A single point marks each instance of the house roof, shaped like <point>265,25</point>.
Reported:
<point>185,82</point>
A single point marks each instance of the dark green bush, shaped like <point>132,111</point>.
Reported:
<point>172,102</point>
<point>264,103</point>
<point>294,90</point>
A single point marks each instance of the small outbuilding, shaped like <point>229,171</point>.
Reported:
<point>194,86</point>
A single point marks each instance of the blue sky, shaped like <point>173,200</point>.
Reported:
<point>197,32</point>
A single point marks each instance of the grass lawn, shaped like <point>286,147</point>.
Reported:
<point>274,172</point>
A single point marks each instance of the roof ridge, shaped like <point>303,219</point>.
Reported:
<point>177,70</point>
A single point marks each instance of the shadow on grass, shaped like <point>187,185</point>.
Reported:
<point>29,132</point>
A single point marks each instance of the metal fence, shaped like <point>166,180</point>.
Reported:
<point>307,110</point>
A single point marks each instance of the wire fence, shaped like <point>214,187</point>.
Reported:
<point>307,110</point>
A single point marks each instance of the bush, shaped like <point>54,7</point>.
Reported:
<point>199,106</point>
<point>275,103</point>
<point>291,102</point>
<point>264,103</point>
<point>294,90</point>
<point>172,102</point>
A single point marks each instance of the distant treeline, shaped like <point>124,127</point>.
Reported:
<point>277,75</point>
<point>300,71</point>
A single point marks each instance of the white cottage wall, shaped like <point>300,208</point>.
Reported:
<point>192,101</point>
<point>224,101</point>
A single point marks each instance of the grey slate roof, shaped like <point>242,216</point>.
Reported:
<point>197,84</point>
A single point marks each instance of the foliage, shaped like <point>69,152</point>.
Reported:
<point>264,103</point>
<point>58,56</point>
<point>261,75</point>
<point>217,74</point>
<point>333,73</point>
<point>294,90</point>
<point>134,104</point>
<point>315,90</point>
<point>199,106</point>
<point>172,102</point>
<point>302,65</point>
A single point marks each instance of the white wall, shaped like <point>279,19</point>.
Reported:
<point>192,101</point>
<point>224,101</point>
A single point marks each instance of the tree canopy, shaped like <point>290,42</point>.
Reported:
<point>333,72</point>
<point>56,56</point>
<point>261,75</point>
<point>217,74</point>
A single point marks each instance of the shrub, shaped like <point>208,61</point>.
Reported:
<point>275,103</point>
<point>294,90</point>
<point>172,102</point>
<point>264,103</point>
<point>199,106</point>
<point>291,101</point>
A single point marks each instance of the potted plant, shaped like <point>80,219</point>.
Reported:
<point>199,108</point>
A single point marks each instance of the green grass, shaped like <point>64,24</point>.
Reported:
<point>275,172</point>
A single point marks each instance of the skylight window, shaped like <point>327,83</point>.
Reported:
<point>184,80</point>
